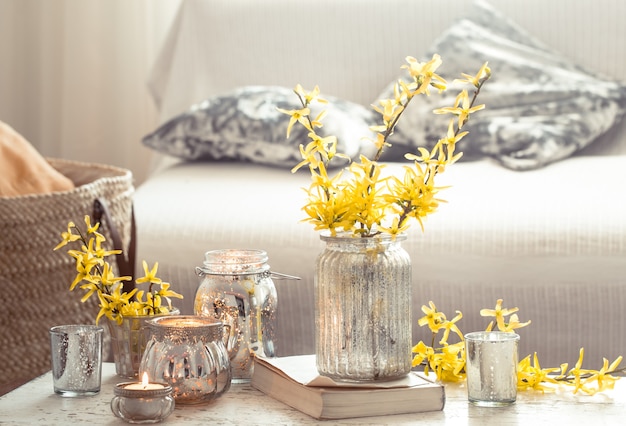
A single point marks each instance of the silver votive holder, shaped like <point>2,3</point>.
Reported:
<point>491,367</point>
<point>188,353</point>
<point>76,351</point>
<point>139,404</point>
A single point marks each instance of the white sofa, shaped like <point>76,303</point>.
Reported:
<point>551,241</point>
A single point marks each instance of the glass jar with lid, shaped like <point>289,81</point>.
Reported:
<point>237,288</point>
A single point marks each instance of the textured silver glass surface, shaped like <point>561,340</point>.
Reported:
<point>76,359</point>
<point>188,353</point>
<point>128,341</point>
<point>363,309</point>
<point>140,406</point>
<point>238,290</point>
<point>491,367</point>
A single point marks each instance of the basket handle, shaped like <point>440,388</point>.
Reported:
<point>125,262</point>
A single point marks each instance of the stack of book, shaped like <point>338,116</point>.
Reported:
<point>295,381</point>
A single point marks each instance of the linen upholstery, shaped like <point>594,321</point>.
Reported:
<point>549,241</point>
<point>535,247</point>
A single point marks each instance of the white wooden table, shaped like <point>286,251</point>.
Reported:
<point>36,404</point>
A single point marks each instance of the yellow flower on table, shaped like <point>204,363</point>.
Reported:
<point>532,376</point>
<point>514,323</point>
<point>448,326</point>
<point>448,361</point>
<point>602,377</point>
<point>423,354</point>
<point>499,312</point>
<point>449,364</point>
<point>433,318</point>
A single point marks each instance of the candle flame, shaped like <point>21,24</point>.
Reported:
<point>145,380</point>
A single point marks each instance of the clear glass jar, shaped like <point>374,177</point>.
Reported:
<point>237,289</point>
<point>363,308</point>
<point>188,353</point>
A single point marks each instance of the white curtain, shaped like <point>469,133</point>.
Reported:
<point>73,76</point>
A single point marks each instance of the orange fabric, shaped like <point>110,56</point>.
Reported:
<point>23,170</point>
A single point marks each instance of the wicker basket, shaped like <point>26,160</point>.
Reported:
<point>34,279</point>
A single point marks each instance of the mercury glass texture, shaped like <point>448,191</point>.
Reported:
<point>188,353</point>
<point>128,341</point>
<point>237,289</point>
<point>142,406</point>
<point>76,359</point>
<point>491,368</point>
<point>363,308</point>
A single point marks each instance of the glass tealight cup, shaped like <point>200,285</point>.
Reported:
<point>139,404</point>
<point>76,351</point>
<point>491,367</point>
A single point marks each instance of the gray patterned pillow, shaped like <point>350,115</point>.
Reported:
<point>245,125</point>
<point>540,107</point>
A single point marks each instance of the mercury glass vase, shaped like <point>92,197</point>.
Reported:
<point>129,340</point>
<point>363,308</point>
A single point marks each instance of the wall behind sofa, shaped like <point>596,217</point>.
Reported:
<point>73,76</point>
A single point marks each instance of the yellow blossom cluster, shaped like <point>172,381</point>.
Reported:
<point>532,376</point>
<point>366,202</point>
<point>96,276</point>
<point>448,360</point>
<point>445,359</point>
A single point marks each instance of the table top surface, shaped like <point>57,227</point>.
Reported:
<point>36,403</point>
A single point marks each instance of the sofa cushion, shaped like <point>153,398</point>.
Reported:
<point>246,125</point>
<point>540,106</point>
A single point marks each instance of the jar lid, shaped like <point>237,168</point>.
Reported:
<point>235,261</point>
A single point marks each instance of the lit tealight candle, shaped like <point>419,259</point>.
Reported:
<point>143,402</point>
<point>144,385</point>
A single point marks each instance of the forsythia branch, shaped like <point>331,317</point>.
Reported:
<point>95,276</point>
<point>448,360</point>
<point>369,203</point>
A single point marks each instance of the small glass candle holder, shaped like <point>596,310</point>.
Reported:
<point>491,367</point>
<point>188,353</point>
<point>76,359</point>
<point>142,402</point>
